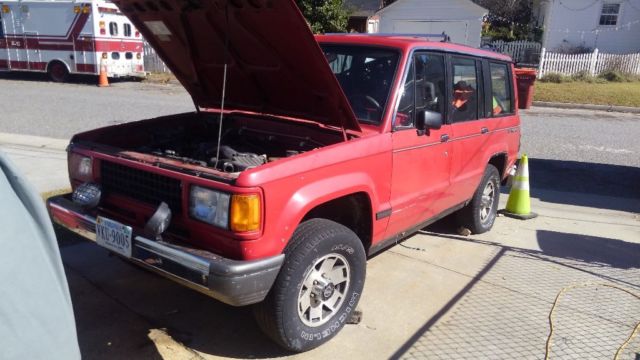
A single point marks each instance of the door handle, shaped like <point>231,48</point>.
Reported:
<point>484,130</point>
<point>444,138</point>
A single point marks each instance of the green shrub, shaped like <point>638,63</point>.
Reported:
<point>583,75</point>
<point>555,78</point>
<point>613,76</point>
<point>633,77</point>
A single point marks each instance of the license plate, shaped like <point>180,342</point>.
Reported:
<point>113,236</point>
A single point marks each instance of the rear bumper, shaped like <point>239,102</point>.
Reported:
<point>233,282</point>
<point>140,74</point>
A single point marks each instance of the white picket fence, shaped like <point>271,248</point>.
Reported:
<point>594,63</point>
<point>518,50</point>
<point>152,62</point>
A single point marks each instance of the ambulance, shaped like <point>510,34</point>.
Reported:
<point>69,37</point>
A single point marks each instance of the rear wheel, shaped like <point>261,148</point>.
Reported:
<point>480,214</point>
<point>318,287</point>
<point>58,72</point>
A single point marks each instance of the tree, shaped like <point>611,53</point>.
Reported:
<point>508,19</point>
<point>324,16</point>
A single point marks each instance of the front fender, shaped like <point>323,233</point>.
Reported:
<point>317,193</point>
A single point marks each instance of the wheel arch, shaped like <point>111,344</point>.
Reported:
<point>58,60</point>
<point>499,160</point>
<point>354,211</point>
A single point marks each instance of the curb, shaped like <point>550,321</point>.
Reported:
<point>608,108</point>
<point>33,141</point>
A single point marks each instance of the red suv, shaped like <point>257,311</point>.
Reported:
<point>304,156</point>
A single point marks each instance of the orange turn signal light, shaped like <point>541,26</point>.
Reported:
<point>245,213</point>
<point>5,9</point>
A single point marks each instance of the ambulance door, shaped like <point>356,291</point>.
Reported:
<point>85,56</point>
<point>4,48</point>
<point>14,42</point>
<point>34,56</point>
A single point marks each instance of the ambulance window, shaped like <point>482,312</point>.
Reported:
<point>127,30</point>
<point>115,55</point>
<point>1,27</point>
<point>128,55</point>
<point>113,28</point>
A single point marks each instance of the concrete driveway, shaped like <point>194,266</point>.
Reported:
<point>436,295</point>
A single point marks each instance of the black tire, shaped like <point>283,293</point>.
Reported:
<point>279,316</point>
<point>58,72</point>
<point>472,216</point>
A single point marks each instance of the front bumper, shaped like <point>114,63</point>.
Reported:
<point>230,281</point>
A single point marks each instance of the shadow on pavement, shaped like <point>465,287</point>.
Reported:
<point>73,78</point>
<point>116,305</point>
<point>590,249</point>
<point>573,257</point>
<point>566,179</point>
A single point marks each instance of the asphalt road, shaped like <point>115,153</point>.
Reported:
<point>32,106</point>
<point>35,107</point>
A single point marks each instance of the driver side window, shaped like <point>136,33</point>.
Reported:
<point>424,89</point>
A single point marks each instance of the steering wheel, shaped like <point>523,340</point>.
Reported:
<point>373,102</point>
<point>363,98</point>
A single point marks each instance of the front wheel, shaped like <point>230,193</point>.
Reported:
<point>318,288</point>
<point>480,214</point>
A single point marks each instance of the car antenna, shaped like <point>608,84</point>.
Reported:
<point>224,81</point>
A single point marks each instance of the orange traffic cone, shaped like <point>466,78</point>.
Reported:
<point>102,79</point>
<point>519,202</point>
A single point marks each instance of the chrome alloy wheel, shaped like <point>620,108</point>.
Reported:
<point>324,289</point>
<point>486,204</point>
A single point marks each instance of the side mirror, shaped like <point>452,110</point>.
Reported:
<point>428,120</point>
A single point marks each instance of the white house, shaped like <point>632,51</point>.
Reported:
<point>611,26</point>
<point>461,20</point>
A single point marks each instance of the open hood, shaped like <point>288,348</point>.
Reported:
<point>275,64</point>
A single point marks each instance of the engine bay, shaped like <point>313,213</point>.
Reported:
<point>241,147</point>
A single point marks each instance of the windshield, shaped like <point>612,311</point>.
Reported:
<point>365,74</point>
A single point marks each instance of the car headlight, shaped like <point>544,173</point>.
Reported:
<point>209,206</point>
<point>81,167</point>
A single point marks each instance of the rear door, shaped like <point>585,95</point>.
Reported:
<point>421,162</point>
<point>470,129</point>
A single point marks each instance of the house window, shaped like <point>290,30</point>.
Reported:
<point>609,15</point>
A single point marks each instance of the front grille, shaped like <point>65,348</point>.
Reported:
<point>141,185</point>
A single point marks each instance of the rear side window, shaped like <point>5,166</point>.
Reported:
<point>113,28</point>
<point>502,102</point>
<point>465,89</point>
<point>126,30</point>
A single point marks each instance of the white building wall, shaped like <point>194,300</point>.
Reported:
<point>573,23</point>
<point>460,19</point>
